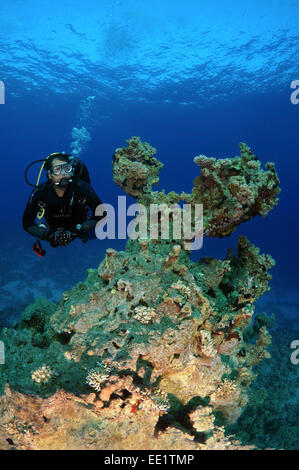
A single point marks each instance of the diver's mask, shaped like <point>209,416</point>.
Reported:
<point>63,169</point>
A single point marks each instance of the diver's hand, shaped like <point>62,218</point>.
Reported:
<point>65,237</point>
<point>83,232</point>
<point>61,238</point>
<point>52,239</point>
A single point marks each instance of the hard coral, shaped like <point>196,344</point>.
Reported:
<point>144,314</point>
<point>96,377</point>
<point>43,375</point>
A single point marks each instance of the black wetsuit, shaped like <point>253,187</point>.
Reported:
<point>76,206</point>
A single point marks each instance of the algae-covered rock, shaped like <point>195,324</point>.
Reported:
<point>152,344</point>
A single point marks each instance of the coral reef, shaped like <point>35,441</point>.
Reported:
<point>232,190</point>
<point>153,350</point>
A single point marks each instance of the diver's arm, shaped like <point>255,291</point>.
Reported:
<point>29,217</point>
<point>38,232</point>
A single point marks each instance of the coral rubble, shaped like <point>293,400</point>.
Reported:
<point>152,351</point>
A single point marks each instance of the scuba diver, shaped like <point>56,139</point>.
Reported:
<point>64,206</point>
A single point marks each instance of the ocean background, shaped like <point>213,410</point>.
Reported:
<point>190,78</point>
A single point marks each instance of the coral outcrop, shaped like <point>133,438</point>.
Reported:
<point>153,350</point>
<point>232,190</point>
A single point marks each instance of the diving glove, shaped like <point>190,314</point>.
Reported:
<point>83,231</point>
<point>60,237</point>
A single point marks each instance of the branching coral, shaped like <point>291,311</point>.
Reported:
<point>97,376</point>
<point>226,389</point>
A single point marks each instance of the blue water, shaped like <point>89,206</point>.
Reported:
<point>190,78</point>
